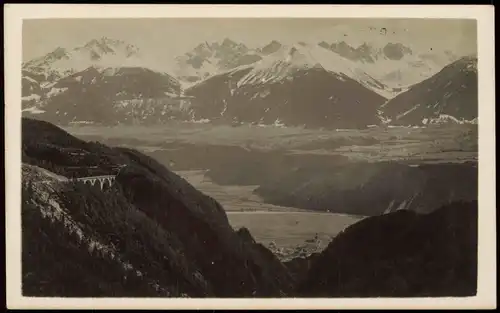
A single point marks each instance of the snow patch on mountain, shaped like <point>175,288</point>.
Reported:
<point>47,84</point>
<point>32,97</point>
<point>55,91</point>
<point>33,110</point>
<point>408,111</point>
<point>30,79</point>
<point>445,118</point>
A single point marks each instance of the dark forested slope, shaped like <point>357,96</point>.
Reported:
<point>151,218</point>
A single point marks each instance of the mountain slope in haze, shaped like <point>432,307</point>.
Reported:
<point>150,234</point>
<point>401,254</point>
<point>369,189</point>
<point>298,85</point>
<point>208,59</point>
<point>449,96</point>
<point>109,96</point>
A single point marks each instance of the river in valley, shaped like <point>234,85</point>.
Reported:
<point>286,227</point>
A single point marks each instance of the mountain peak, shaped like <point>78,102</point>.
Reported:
<point>58,52</point>
<point>228,42</point>
<point>104,41</point>
<point>106,45</point>
<point>271,47</point>
<point>103,51</point>
<point>470,58</point>
<point>293,50</point>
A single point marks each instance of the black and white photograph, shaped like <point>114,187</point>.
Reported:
<point>251,157</point>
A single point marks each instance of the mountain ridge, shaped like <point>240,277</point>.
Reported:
<point>278,89</point>
<point>277,64</point>
<point>210,58</point>
<point>451,95</point>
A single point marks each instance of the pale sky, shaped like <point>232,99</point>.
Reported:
<point>170,37</point>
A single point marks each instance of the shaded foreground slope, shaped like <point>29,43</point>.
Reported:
<point>80,242</point>
<point>401,254</point>
<point>151,219</point>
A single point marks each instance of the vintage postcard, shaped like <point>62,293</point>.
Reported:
<point>187,156</point>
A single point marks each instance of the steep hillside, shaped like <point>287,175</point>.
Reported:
<point>81,242</point>
<point>401,254</point>
<point>150,220</point>
<point>449,96</point>
<point>296,86</point>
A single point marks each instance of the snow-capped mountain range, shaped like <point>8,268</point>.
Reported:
<point>296,85</point>
<point>103,52</point>
<point>391,60</point>
<point>388,55</point>
<point>230,80</point>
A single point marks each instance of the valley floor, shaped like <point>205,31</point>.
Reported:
<point>285,227</point>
